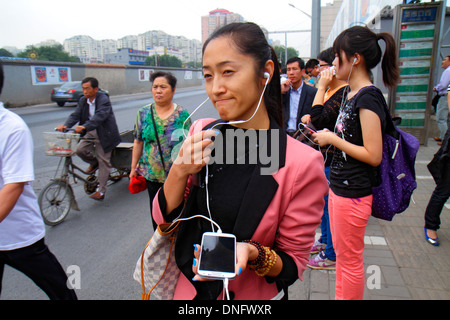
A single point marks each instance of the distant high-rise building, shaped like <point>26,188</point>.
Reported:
<point>128,42</point>
<point>90,50</point>
<point>216,19</point>
<point>84,47</point>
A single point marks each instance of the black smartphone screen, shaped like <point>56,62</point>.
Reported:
<point>218,254</point>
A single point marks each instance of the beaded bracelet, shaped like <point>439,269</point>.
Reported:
<point>254,264</point>
<point>265,261</point>
<point>268,263</point>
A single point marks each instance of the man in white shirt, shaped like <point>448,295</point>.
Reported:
<point>442,106</point>
<point>22,230</point>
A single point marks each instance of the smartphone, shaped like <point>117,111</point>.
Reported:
<point>217,256</point>
<point>311,130</point>
<point>333,69</point>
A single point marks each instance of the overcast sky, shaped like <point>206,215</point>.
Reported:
<point>25,22</point>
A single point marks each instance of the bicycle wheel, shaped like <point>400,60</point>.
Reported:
<point>55,201</point>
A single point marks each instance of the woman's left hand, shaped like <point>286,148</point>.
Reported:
<point>326,76</point>
<point>324,137</point>
<point>243,251</point>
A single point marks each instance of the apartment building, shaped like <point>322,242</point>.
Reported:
<point>216,19</point>
<point>90,50</point>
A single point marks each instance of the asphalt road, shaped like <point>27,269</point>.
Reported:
<point>104,239</point>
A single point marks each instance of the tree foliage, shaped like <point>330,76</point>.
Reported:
<point>281,54</point>
<point>164,61</point>
<point>193,64</point>
<point>5,53</point>
<point>48,53</point>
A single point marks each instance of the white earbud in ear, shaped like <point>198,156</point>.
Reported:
<point>355,60</point>
<point>266,75</point>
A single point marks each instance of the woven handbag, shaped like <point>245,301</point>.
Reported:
<point>156,270</point>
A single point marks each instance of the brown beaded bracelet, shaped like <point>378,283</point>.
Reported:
<point>254,264</point>
<point>268,264</point>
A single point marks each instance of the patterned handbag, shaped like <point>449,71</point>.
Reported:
<point>156,269</point>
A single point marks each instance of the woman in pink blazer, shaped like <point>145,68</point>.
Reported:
<point>276,204</point>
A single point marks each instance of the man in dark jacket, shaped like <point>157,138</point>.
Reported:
<point>297,96</point>
<point>95,119</point>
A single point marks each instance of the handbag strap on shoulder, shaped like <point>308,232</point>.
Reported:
<point>157,140</point>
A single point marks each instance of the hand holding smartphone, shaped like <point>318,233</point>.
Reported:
<point>217,256</point>
<point>332,70</point>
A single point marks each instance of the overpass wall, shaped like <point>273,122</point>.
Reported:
<point>24,86</point>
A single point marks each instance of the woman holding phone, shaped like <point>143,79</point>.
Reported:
<point>358,138</point>
<point>272,214</point>
<point>324,112</point>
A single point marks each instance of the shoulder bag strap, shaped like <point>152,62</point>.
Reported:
<point>157,140</point>
<point>390,126</point>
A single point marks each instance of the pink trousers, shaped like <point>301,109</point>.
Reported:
<point>348,221</point>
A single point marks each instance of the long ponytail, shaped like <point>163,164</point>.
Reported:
<point>362,40</point>
<point>389,64</point>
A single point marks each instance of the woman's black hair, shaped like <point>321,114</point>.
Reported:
<point>327,56</point>
<point>171,79</point>
<point>250,40</point>
<point>363,41</point>
<point>311,64</point>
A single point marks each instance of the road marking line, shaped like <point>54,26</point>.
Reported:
<point>376,241</point>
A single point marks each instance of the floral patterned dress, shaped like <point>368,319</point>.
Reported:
<point>170,133</point>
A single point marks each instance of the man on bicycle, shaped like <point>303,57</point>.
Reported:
<point>95,118</point>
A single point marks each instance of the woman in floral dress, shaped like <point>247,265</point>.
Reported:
<point>153,149</point>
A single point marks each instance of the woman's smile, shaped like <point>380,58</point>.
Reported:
<point>222,101</point>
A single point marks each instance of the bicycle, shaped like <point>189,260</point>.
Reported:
<point>57,197</point>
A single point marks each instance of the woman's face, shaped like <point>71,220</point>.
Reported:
<point>343,66</point>
<point>230,80</point>
<point>162,91</point>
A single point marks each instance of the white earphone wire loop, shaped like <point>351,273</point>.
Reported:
<point>190,116</point>
<point>219,230</point>
<point>254,113</point>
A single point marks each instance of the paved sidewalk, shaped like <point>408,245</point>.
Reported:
<point>410,267</point>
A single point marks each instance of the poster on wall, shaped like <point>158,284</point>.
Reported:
<point>188,75</point>
<point>42,75</point>
<point>144,74</point>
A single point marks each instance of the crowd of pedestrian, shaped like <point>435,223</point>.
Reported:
<point>274,216</point>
